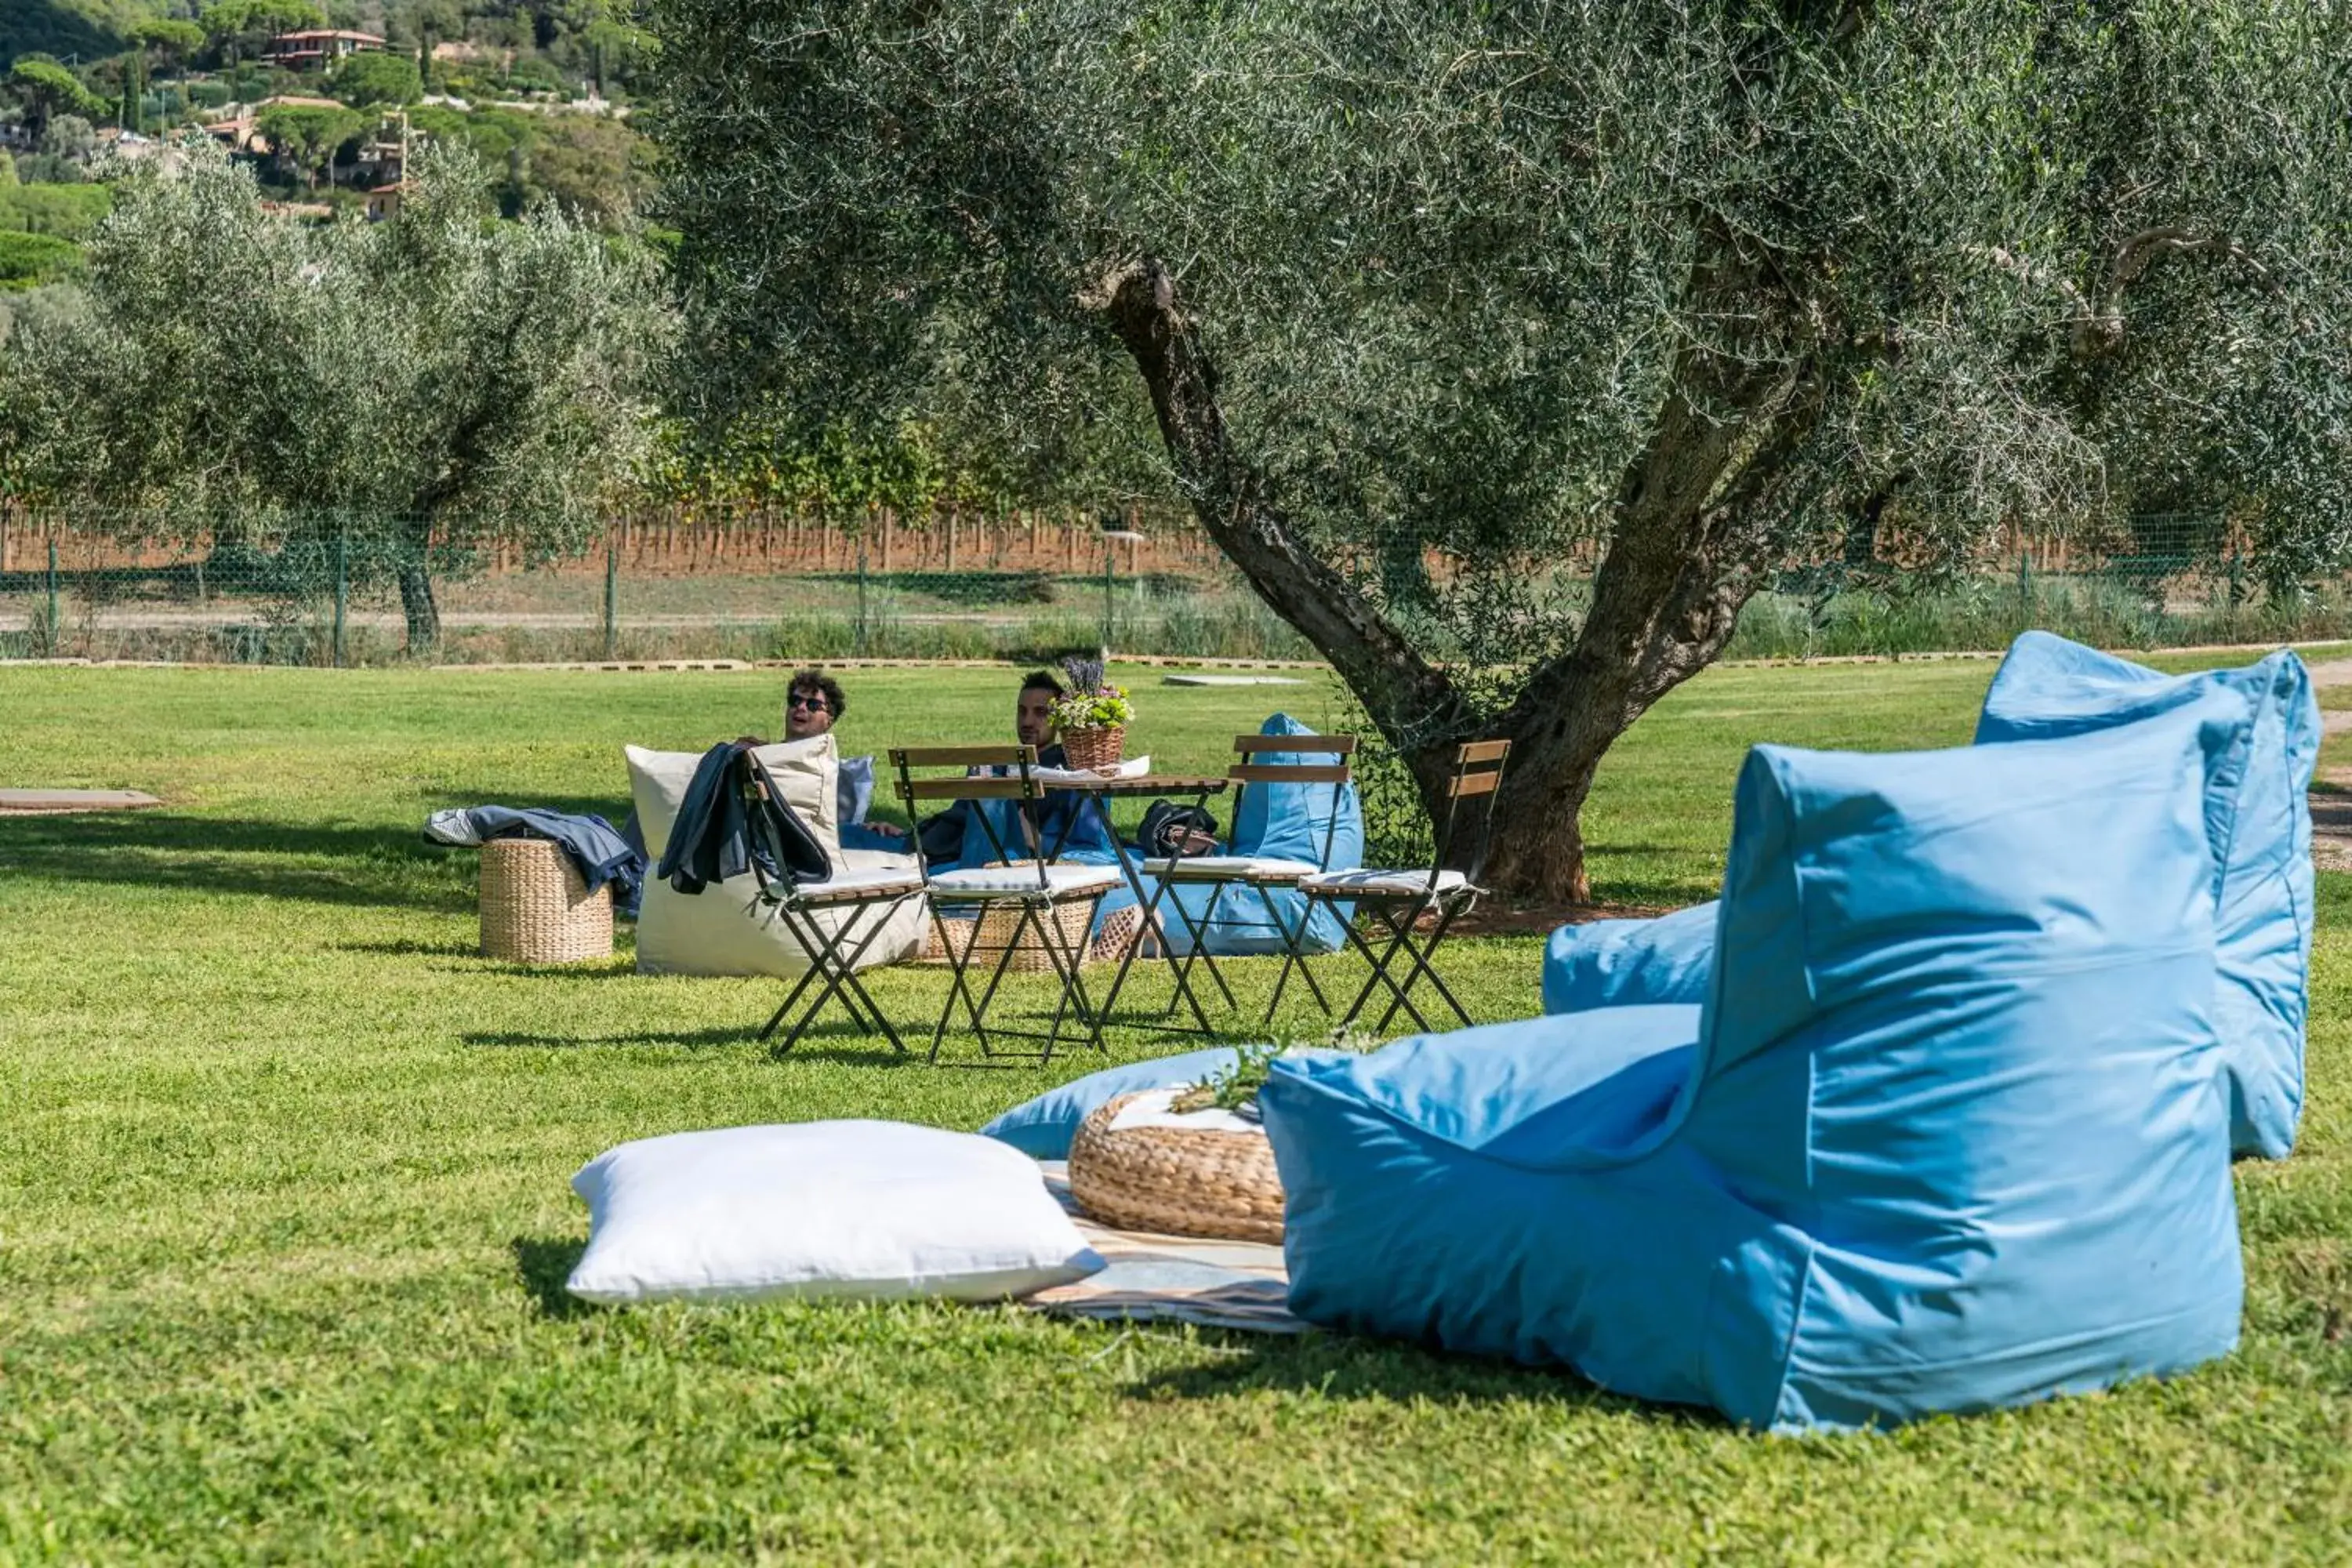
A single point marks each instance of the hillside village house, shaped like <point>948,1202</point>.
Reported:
<point>238,133</point>
<point>318,46</point>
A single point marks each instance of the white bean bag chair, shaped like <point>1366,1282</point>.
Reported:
<point>724,928</point>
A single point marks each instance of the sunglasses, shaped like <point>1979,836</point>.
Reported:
<point>814,704</point>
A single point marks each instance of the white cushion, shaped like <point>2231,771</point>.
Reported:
<point>807,771</point>
<point>1021,877</point>
<point>1401,883</point>
<point>725,929</point>
<point>871,1210</point>
<point>1237,867</point>
<point>882,877</point>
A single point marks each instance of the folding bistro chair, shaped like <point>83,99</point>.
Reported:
<point>807,892</point>
<point>1040,891</point>
<point>1398,899</point>
<point>1265,876</point>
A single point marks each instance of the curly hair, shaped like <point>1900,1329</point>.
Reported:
<point>825,685</point>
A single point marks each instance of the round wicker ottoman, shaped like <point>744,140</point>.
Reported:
<point>993,929</point>
<point>535,908</point>
<point>1176,1180</point>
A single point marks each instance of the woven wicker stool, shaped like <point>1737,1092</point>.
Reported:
<point>535,908</point>
<point>994,928</point>
<point>1176,1180</point>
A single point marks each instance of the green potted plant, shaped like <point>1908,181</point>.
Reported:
<point>1092,715</point>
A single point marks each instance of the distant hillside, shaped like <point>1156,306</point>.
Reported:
<point>88,28</point>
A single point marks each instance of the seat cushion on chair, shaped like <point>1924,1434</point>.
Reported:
<point>1371,882</point>
<point>1951,1134</point>
<point>868,884</point>
<point>862,1210</point>
<point>1021,877</point>
<point>1231,868</point>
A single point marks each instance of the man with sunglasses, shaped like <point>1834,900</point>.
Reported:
<point>813,703</point>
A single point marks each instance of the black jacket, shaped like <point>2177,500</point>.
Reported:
<point>714,838</point>
<point>708,843</point>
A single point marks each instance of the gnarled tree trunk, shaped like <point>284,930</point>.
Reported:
<point>1683,557</point>
<point>417,608</point>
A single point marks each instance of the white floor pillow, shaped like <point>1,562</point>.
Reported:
<point>724,928</point>
<point>869,1210</point>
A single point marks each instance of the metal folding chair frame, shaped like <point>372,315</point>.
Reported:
<point>1037,905</point>
<point>1244,775</point>
<point>796,905</point>
<point>839,973</point>
<point>1478,776</point>
<point>1147,903</point>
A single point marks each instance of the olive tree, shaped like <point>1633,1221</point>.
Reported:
<point>309,135</point>
<point>424,373</point>
<point>1424,298</point>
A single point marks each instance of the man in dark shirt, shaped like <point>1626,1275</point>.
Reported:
<point>1063,818</point>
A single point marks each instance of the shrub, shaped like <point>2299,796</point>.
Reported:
<point>67,212</point>
<point>29,260</point>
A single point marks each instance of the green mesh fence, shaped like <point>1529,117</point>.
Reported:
<point>780,584</point>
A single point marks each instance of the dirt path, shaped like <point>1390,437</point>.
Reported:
<point>2331,672</point>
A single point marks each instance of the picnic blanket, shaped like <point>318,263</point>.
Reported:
<point>1151,1278</point>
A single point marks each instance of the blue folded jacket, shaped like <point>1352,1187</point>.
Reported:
<point>2259,817</point>
<point>1947,1134</point>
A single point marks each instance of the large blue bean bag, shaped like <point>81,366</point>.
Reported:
<point>2259,824</point>
<point>1275,822</point>
<point>1948,1134</point>
<point>2259,817</point>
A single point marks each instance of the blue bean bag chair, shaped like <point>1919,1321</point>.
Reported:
<point>1277,822</point>
<point>1621,964</point>
<point>2260,819</point>
<point>1948,1134</point>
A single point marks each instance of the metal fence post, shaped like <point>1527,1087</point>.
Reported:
<point>342,586</point>
<point>2024,585</point>
<point>54,622</point>
<point>861,593</point>
<point>1110,589</point>
<point>612,594</point>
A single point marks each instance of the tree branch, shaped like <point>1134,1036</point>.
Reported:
<point>1228,494</point>
<point>2098,325</point>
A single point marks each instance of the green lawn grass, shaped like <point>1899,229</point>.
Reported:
<point>284,1213</point>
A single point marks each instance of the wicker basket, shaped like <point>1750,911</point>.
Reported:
<point>535,908</point>
<point>994,929</point>
<point>1174,1180</point>
<point>1097,746</point>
